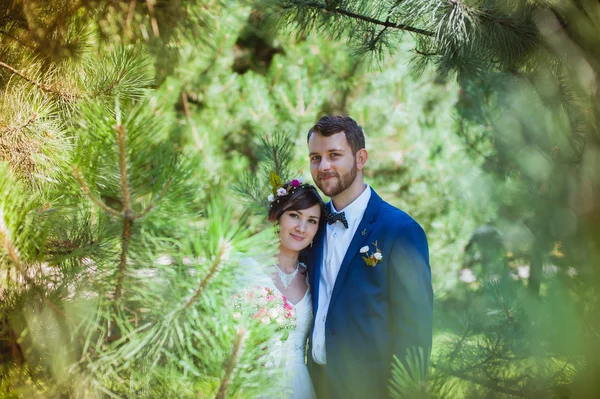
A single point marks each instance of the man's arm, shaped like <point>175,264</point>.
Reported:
<point>411,293</point>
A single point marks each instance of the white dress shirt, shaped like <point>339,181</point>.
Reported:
<point>336,244</point>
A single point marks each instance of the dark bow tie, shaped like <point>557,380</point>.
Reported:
<point>331,218</point>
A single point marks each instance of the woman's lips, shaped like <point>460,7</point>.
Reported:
<point>297,238</point>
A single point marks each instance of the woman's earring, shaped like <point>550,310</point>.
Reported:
<point>311,243</point>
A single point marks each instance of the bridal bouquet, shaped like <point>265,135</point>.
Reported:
<point>265,305</point>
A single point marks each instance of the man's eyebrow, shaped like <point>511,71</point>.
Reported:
<point>329,150</point>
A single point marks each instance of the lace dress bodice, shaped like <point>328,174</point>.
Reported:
<point>295,345</point>
<point>289,354</point>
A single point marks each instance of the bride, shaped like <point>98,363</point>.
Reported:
<point>296,208</point>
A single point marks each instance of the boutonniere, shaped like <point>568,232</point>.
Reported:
<point>375,256</point>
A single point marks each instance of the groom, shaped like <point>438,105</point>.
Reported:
<point>369,273</point>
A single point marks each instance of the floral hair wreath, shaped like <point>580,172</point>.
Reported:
<point>281,190</point>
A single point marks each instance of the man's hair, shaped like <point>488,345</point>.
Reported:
<point>301,198</point>
<point>330,125</point>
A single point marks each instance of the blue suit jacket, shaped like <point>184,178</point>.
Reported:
<point>375,312</point>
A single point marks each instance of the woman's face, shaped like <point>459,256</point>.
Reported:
<point>298,228</point>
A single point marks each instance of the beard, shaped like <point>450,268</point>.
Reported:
<point>344,181</point>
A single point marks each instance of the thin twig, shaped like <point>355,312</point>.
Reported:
<point>276,161</point>
<point>481,382</point>
<point>153,22</point>
<point>130,15</point>
<point>87,191</point>
<point>128,215</point>
<point>12,129</point>
<point>39,85</point>
<point>13,251</point>
<point>155,201</point>
<point>425,53</point>
<point>232,362</point>
<point>16,39</point>
<point>125,239</point>
<point>188,115</point>
<point>211,272</point>
<point>353,15</point>
<point>111,85</point>
<point>122,148</point>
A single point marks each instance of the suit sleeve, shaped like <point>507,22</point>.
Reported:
<point>410,293</point>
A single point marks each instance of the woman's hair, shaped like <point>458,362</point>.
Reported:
<point>298,198</point>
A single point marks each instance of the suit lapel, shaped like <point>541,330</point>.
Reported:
<point>361,238</point>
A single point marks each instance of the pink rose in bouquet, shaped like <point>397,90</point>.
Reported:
<point>266,306</point>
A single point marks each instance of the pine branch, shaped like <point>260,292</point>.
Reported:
<point>188,116</point>
<point>122,149</point>
<point>484,383</point>
<point>70,96</point>
<point>276,161</point>
<point>88,192</point>
<point>13,129</point>
<point>232,362</point>
<point>15,349</point>
<point>155,201</point>
<point>128,215</point>
<point>381,32</point>
<point>111,85</point>
<point>125,240</point>
<point>130,15</point>
<point>45,88</point>
<point>211,272</point>
<point>353,15</point>
<point>426,54</point>
<point>10,248</point>
<point>153,22</point>
<point>16,39</point>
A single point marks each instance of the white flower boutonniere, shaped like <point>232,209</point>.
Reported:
<point>374,258</point>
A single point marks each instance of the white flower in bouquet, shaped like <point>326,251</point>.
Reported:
<point>266,306</point>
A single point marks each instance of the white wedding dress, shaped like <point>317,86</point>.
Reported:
<point>296,383</point>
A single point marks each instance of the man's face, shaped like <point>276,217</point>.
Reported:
<point>332,163</point>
